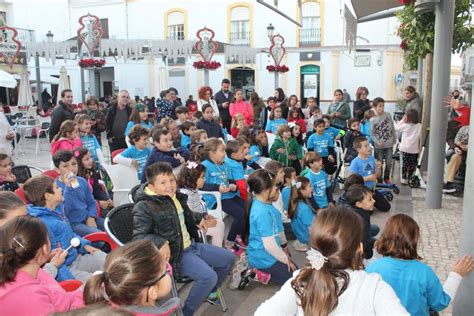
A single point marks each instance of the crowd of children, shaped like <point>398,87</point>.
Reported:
<point>194,172</point>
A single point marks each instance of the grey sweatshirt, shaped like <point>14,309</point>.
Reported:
<point>382,131</point>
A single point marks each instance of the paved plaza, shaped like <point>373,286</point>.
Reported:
<point>440,230</point>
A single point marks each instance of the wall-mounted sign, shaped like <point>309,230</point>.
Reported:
<point>362,61</point>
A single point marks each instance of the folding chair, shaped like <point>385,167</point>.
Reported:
<point>51,173</point>
<point>123,179</point>
<point>23,172</point>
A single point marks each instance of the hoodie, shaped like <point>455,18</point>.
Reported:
<point>65,144</point>
<point>60,234</point>
<point>37,296</point>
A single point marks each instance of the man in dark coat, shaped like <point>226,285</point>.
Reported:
<point>62,112</point>
<point>223,99</point>
<point>116,121</point>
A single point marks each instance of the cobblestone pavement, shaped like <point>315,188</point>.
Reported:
<point>440,231</point>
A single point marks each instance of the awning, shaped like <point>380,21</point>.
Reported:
<point>7,80</point>
<point>363,8</point>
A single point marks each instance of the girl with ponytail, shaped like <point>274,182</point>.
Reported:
<point>25,288</point>
<point>267,246</point>
<point>135,276</point>
<point>333,281</point>
<point>301,212</point>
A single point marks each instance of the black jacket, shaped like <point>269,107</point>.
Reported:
<point>60,114</point>
<point>212,128</point>
<point>360,107</point>
<point>155,218</point>
<point>110,118</point>
<point>367,238</point>
<point>220,98</point>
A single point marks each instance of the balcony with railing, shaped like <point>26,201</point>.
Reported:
<point>25,36</point>
<point>240,38</point>
<point>310,36</point>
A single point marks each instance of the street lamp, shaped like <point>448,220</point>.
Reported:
<point>49,37</point>
<point>270,30</point>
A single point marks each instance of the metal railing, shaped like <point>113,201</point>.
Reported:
<point>240,38</point>
<point>310,36</point>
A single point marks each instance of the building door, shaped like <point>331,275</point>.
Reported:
<point>177,80</point>
<point>309,76</point>
<point>243,78</point>
<point>108,88</point>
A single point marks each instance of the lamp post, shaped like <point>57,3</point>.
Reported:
<point>270,31</point>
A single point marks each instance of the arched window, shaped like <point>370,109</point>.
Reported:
<point>176,26</point>
<point>310,33</point>
<point>240,26</point>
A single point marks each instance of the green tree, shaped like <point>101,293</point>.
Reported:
<point>417,31</point>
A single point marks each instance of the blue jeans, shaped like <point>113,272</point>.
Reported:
<point>207,266</point>
<point>236,208</point>
<point>82,229</point>
<point>279,273</point>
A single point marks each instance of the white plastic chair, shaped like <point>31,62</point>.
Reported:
<point>216,212</point>
<point>271,139</point>
<point>123,179</point>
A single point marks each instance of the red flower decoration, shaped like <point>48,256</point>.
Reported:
<point>279,68</point>
<point>407,2</point>
<point>404,45</point>
<point>91,63</point>
<point>211,65</point>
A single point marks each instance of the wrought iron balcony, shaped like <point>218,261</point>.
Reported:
<point>240,38</point>
<point>310,36</point>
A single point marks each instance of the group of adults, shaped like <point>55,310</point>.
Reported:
<point>225,103</point>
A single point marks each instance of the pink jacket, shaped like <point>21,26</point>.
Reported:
<point>65,144</point>
<point>244,108</point>
<point>40,296</point>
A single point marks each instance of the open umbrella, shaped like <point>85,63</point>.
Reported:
<point>7,80</point>
<point>63,80</point>
<point>24,93</point>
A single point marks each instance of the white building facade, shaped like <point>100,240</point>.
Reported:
<point>317,57</point>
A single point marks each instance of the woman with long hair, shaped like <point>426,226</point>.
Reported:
<point>205,96</point>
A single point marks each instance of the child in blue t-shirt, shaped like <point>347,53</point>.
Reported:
<point>187,129</point>
<point>233,161</point>
<point>301,212</point>
<point>319,180</point>
<point>331,131</point>
<point>217,178</point>
<point>370,169</point>
<point>288,181</point>
<point>275,120</point>
<point>89,141</point>
<point>139,116</point>
<point>137,154</point>
<point>267,246</point>
<point>323,144</point>
<point>414,282</point>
